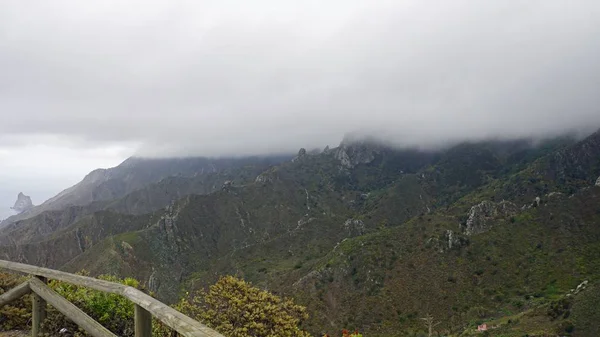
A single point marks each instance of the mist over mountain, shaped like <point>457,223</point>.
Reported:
<point>376,161</point>
<point>168,78</point>
<point>364,234</point>
<point>215,79</point>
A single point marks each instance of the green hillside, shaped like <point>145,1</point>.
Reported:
<point>373,238</point>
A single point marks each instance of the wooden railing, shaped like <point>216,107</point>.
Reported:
<point>145,305</point>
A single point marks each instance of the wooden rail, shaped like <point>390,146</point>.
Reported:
<point>145,305</point>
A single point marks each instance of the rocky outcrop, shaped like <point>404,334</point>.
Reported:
<point>481,215</point>
<point>227,184</point>
<point>22,204</point>
<point>301,155</point>
<point>353,154</point>
<point>554,195</point>
<point>262,178</point>
<point>579,288</point>
<point>453,240</point>
<point>598,181</point>
<point>341,155</point>
<point>448,241</point>
<point>354,227</point>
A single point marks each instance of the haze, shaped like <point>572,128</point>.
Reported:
<point>87,83</point>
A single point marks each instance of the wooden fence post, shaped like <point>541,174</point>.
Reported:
<point>146,307</point>
<point>143,322</point>
<point>38,311</point>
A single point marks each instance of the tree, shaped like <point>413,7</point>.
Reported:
<point>237,309</point>
<point>429,322</point>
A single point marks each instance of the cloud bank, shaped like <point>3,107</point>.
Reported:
<point>172,78</point>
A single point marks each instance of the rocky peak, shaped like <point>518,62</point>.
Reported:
<point>353,153</point>
<point>301,154</point>
<point>23,203</point>
<point>598,181</point>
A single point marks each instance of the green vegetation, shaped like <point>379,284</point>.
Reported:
<point>112,311</point>
<point>235,308</point>
<point>17,314</point>
<point>373,244</point>
<point>231,306</point>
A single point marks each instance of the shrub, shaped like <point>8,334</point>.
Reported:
<point>231,306</point>
<point>235,308</point>
<point>17,314</point>
<point>113,311</point>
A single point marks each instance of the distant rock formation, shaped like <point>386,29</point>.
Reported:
<point>598,182</point>
<point>22,204</point>
<point>354,227</point>
<point>480,215</point>
<point>353,154</point>
<point>301,154</point>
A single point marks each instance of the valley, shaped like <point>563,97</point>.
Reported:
<point>366,236</point>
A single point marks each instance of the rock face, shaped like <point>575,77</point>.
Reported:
<point>598,182</point>
<point>448,241</point>
<point>452,240</point>
<point>301,155</point>
<point>480,215</point>
<point>353,154</point>
<point>22,204</point>
<point>354,227</point>
<point>262,178</point>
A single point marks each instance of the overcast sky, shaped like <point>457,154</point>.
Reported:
<point>84,84</point>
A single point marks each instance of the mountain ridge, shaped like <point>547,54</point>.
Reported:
<point>371,239</point>
<point>134,174</point>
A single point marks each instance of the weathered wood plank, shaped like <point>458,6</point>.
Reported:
<point>38,309</point>
<point>84,281</point>
<point>69,309</point>
<point>181,323</point>
<point>143,322</point>
<point>15,293</point>
<point>38,314</point>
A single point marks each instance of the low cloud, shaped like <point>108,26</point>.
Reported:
<point>233,77</point>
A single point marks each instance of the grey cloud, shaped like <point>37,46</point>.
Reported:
<point>230,77</point>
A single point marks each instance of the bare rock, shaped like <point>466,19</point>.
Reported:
<point>262,178</point>
<point>481,215</point>
<point>354,227</point>
<point>301,155</point>
<point>448,241</point>
<point>554,195</point>
<point>453,240</point>
<point>352,154</point>
<point>598,181</point>
<point>22,204</point>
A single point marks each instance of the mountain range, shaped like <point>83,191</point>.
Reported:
<point>366,235</point>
